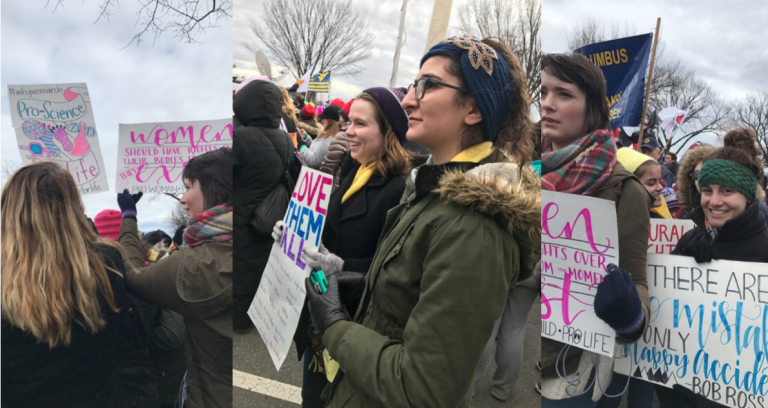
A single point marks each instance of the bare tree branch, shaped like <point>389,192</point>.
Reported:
<point>752,111</point>
<point>313,35</point>
<point>184,18</point>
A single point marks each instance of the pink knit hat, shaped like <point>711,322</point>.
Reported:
<point>108,224</point>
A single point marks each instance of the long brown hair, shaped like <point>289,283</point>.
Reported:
<point>333,127</point>
<point>52,275</point>
<point>516,136</point>
<point>288,107</point>
<point>393,158</point>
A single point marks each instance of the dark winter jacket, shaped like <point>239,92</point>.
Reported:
<point>81,375</point>
<point>745,239</point>
<point>335,156</point>
<point>195,282</point>
<point>673,168</point>
<point>352,229</point>
<point>448,257</point>
<point>261,150</point>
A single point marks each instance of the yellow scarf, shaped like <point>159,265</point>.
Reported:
<point>662,210</point>
<point>361,178</point>
<point>475,153</point>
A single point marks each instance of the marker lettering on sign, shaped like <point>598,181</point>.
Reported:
<point>550,212</point>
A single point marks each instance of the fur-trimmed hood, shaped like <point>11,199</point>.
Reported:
<point>310,126</point>
<point>499,190</point>
<point>684,182</point>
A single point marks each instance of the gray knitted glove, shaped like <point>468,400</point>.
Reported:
<point>277,231</point>
<point>317,260</point>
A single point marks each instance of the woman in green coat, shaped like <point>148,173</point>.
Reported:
<point>466,230</point>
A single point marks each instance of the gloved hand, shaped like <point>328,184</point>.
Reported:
<point>618,303</point>
<point>127,203</point>
<point>321,259</point>
<point>701,251</point>
<point>351,286</point>
<point>326,308</point>
<point>277,231</point>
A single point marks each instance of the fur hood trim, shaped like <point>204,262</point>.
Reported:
<point>498,190</point>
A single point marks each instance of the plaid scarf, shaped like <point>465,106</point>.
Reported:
<point>212,225</point>
<point>579,168</point>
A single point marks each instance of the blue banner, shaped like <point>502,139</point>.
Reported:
<point>623,63</point>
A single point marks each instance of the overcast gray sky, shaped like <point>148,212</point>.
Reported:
<point>384,24</point>
<point>724,42</point>
<point>170,81</point>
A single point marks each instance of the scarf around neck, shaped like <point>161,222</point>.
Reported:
<point>361,179</point>
<point>579,168</point>
<point>212,225</point>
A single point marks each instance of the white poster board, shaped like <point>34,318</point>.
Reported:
<point>277,306</point>
<point>707,330</point>
<point>55,123</point>
<point>663,235</point>
<point>151,156</point>
<point>579,239</point>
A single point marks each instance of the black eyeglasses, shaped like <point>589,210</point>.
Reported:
<point>695,175</point>
<point>422,84</point>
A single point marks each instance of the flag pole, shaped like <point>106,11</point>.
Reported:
<point>648,84</point>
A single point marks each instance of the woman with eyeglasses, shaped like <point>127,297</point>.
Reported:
<point>466,229</point>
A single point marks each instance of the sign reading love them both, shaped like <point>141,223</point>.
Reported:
<point>276,308</point>
<point>55,123</point>
<point>151,156</point>
<point>579,239</point>
<point>707,330</point>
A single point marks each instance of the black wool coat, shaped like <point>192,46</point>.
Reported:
<point>352,230</point>
<point>261,150</point>
<point>744,238</point>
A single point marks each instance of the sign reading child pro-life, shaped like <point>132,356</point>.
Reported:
<point>55,123</point>
<point>276,308</point>
<point>707,330</point>
<point>151,156</point>
<point>579,239</point>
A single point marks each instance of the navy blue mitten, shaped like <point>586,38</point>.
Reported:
<point>618,304</point>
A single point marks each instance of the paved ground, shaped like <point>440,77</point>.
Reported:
<point>258,384</point>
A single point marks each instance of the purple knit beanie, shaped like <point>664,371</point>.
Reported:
<point>389,100</point>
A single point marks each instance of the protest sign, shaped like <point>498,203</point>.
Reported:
<point>707,330</point>
<point>663,235</point>
<point>276,308</point>
<point>151,156</point>
<point>623,62</point>
<point>55,123</point>
<point>579,239</point>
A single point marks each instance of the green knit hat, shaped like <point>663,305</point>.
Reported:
<point>729,174</point>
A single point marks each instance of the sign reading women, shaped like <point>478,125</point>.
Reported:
<point>707,330</point>
<point>55,123</point>
<point>151,156</point>
<point>579,239</point>
<point>277,306</point>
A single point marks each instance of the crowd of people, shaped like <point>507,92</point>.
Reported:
<point>431,245</point>
<point>721,189</point>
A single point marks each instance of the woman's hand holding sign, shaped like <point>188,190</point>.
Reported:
<point>618,304</point>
